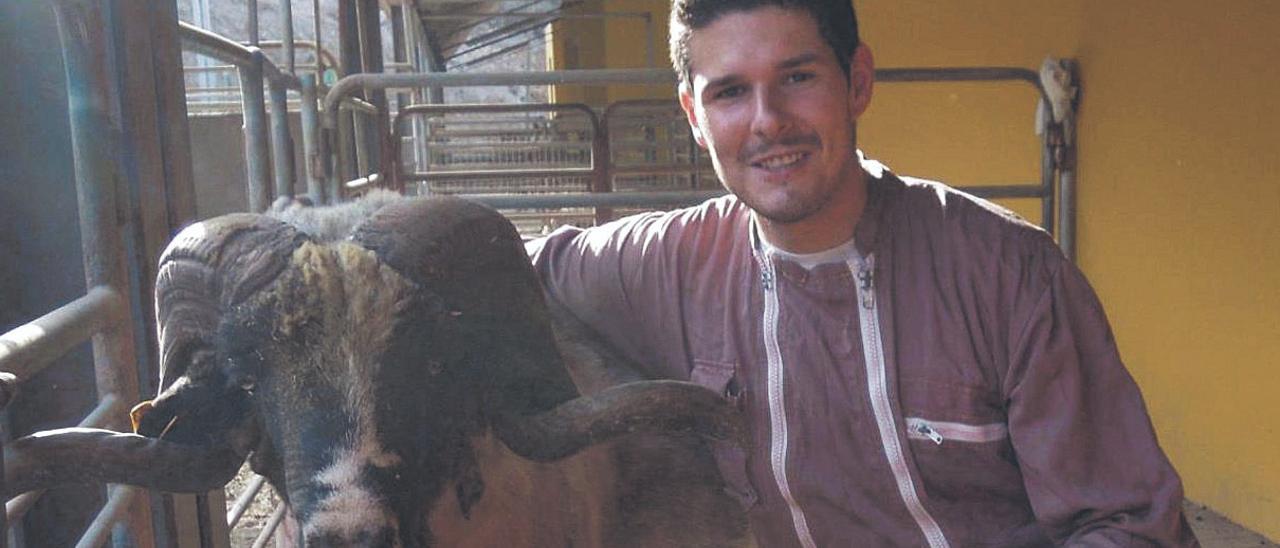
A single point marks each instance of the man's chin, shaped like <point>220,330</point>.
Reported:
<point>784,213</point>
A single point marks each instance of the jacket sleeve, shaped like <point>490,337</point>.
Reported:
<point>620,279</point>
<point>1091,465</point>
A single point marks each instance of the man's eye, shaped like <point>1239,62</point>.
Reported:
<point>728,92</point>
<point>796,77</point>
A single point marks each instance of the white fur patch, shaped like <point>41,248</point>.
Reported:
<point>352,508</point>
<point>361,300</point>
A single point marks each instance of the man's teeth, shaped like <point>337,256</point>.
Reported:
<point>782,161</point>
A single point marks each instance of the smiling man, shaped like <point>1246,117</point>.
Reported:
<point>915,366</point>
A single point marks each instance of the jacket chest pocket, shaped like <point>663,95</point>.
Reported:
<point>940,432</point>
<point>959,439</point>
<point>730,457</point>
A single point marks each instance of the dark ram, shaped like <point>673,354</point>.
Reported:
<point>390,367</point>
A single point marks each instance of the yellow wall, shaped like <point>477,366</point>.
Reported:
<point>1180,230</point>
<point>1179,203</point>
<point>611,42</point>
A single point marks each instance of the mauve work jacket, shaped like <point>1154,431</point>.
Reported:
<point>955,383</point>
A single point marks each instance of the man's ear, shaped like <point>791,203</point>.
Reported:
<point>862,76</point>
<point>686,103</point>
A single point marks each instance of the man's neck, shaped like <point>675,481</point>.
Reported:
<point>824,229</point>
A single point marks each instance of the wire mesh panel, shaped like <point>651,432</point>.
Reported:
<point>508,149</point>
<point>652,149</point>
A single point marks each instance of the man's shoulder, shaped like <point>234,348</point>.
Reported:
<point>722,216</point>
<point>964,216</point>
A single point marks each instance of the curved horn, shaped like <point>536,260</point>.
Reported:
<point>207,269</point>
<point>474,257</point>
<point>89,455</point>
<point>644,406</point>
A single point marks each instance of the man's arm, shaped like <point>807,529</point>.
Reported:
<point>612,278</point>
<point>1089,457</point>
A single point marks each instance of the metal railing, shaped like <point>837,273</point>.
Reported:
<point>102,314</point>
<point>1054,168</point>
<point>255,69</point>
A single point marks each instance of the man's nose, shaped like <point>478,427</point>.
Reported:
<point>770,117</point>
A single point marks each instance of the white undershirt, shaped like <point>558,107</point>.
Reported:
<point>838,254</point>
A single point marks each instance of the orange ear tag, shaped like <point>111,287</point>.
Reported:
<point>139,411</point>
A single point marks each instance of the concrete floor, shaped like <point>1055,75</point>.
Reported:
<point>1215,531</point>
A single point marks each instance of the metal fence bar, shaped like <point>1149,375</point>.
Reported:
<point>83,33</point>
<point>1067,211</point>
<point>286,14</point>
<point>227,50</point>
<point>311,158</point>
<point>281,141</point>
<point>666,198</point>
<point>473,174</point>
<point>244,500</point>
<point>270,528</point>
<point>119,502</point>
<point>29,348</point>
<point>256,151</point>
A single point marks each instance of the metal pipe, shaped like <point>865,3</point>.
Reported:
<point>340,168</point>
<point>499,108</point>
<point>673,198</point>
<point>286,13</point>
<point>311,158</point>
<point>281,141</point>
<point>601,167</point>
<point>958,74</point>
<point>109,407</point>
<point>349,84</point>
<point>244,500</point>
<point>118,504</point>
<point>224,49</point>
<point>27,349</point>
<point>473,174</point>
<point>661,199</point>
<point>1027,190</point>
<point>253,22</point>
<point>531,15</point>
<point>666,169</point>
<point>270,527</point>
<point>1067,212</point>
<point>315,22</point>
<point>82,26</point>
<point>1047,172</point>
<point>255,134</point>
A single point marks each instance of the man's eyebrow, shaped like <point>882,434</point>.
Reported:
<point>802,59</point>
<point>722,81</point>
<point>790,63</point>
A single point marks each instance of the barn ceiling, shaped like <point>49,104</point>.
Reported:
<point>467,32</point>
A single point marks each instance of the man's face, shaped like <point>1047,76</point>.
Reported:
<point>769,100</point>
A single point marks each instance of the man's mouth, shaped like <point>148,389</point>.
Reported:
<point>780,161</point>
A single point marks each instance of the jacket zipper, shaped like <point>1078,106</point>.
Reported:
<point>939,431</point>
<point>863,270</point>
<point>777,403</point>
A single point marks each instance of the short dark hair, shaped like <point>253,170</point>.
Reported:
<point>836,21</point>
